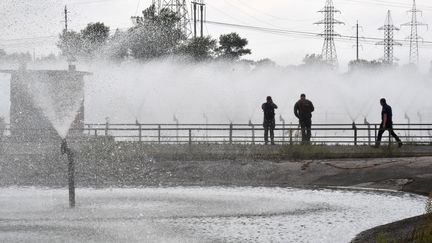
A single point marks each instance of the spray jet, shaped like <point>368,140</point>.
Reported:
<point>409,124</point>
<point>419,115</point>
<point>177,127</point>
<point>407,118</point>
<point>281,119</point>
<point>366,122</point>
<point>205,118</point>
<point>175,119</point>
<point>253,130</point>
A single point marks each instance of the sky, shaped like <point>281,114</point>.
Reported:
<point>33,25</point>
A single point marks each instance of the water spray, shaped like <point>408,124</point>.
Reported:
<point>420,117</point>
<point>283,128</point>
<point>177,127</point>
<point>366,122</point>
<point>71,171</point>
<point>253,131</point>
<point>409,124</point>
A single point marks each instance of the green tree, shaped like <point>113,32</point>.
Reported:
<point>232,46</point>
<point>118,46</point>
<point>70,44</point>
<point>155,34</point>
<point>94,37</point>
<point>199,48</point>
<point>362,64</point>
<point>313,59</point>
<point>266,62</point>
<point>84,44</point>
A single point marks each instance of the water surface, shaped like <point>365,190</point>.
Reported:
<point>195,214</point>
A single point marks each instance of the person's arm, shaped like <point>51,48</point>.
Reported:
<point>275,106</point>
<point>296,110</point>
<point>312,107</point>
<point>262,106</point>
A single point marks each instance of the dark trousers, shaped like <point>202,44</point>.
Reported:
<point>269,125</point>
<point>392,133</point>
<point>306,124</point>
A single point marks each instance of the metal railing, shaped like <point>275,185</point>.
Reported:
<point>334,134</point>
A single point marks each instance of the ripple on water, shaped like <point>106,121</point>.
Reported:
<point>197,214</point>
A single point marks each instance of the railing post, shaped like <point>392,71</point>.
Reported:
<point>375,129</point>
<point>159,134</point>
<point>106,128</point>
<point>96,132</point>
<point>253,134</point>
<point>139,133</point>
<point>369,135</point>
<point>283,132</point>
<point>190,136</point>
<point>290,130</point>
<point>231,133</point>
<point>355,133</point>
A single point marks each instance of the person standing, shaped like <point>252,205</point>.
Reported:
<point>303,111</point>
<point>386,123</point>
<point>269,119</point>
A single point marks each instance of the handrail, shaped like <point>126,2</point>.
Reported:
<point>352,134</point>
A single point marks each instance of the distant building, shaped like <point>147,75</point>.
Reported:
<point>28,122</point>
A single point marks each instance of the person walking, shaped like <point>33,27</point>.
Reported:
<point>269,119</point>
<point>303,111</point>
<point>386,123</point>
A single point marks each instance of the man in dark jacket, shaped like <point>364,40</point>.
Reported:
<point>303,111</point>
<point>386,123</point>
<point>269,119</point>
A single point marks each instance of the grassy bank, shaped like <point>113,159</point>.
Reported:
<point>255,152</point>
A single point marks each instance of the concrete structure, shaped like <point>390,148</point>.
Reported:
<point>27,121</point>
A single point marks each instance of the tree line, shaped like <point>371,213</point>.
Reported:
<point>154,35</point>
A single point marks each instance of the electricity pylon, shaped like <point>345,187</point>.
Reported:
<point>329,54</point>
<point>388,41</point>
<point>414,37</point>
<point>180,8</point>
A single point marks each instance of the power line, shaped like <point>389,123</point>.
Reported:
<point>387,3</point>
<point>249,15</point>
<point>305,34</point>
<point>274,31</point>
<point>271,15</point>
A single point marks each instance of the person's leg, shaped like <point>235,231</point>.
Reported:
<point>272,127</point>
<point>266,128</point>
<point>392,133</point>
<point>309,129</point>
<point>380,133</point>
<point>303,131</point>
